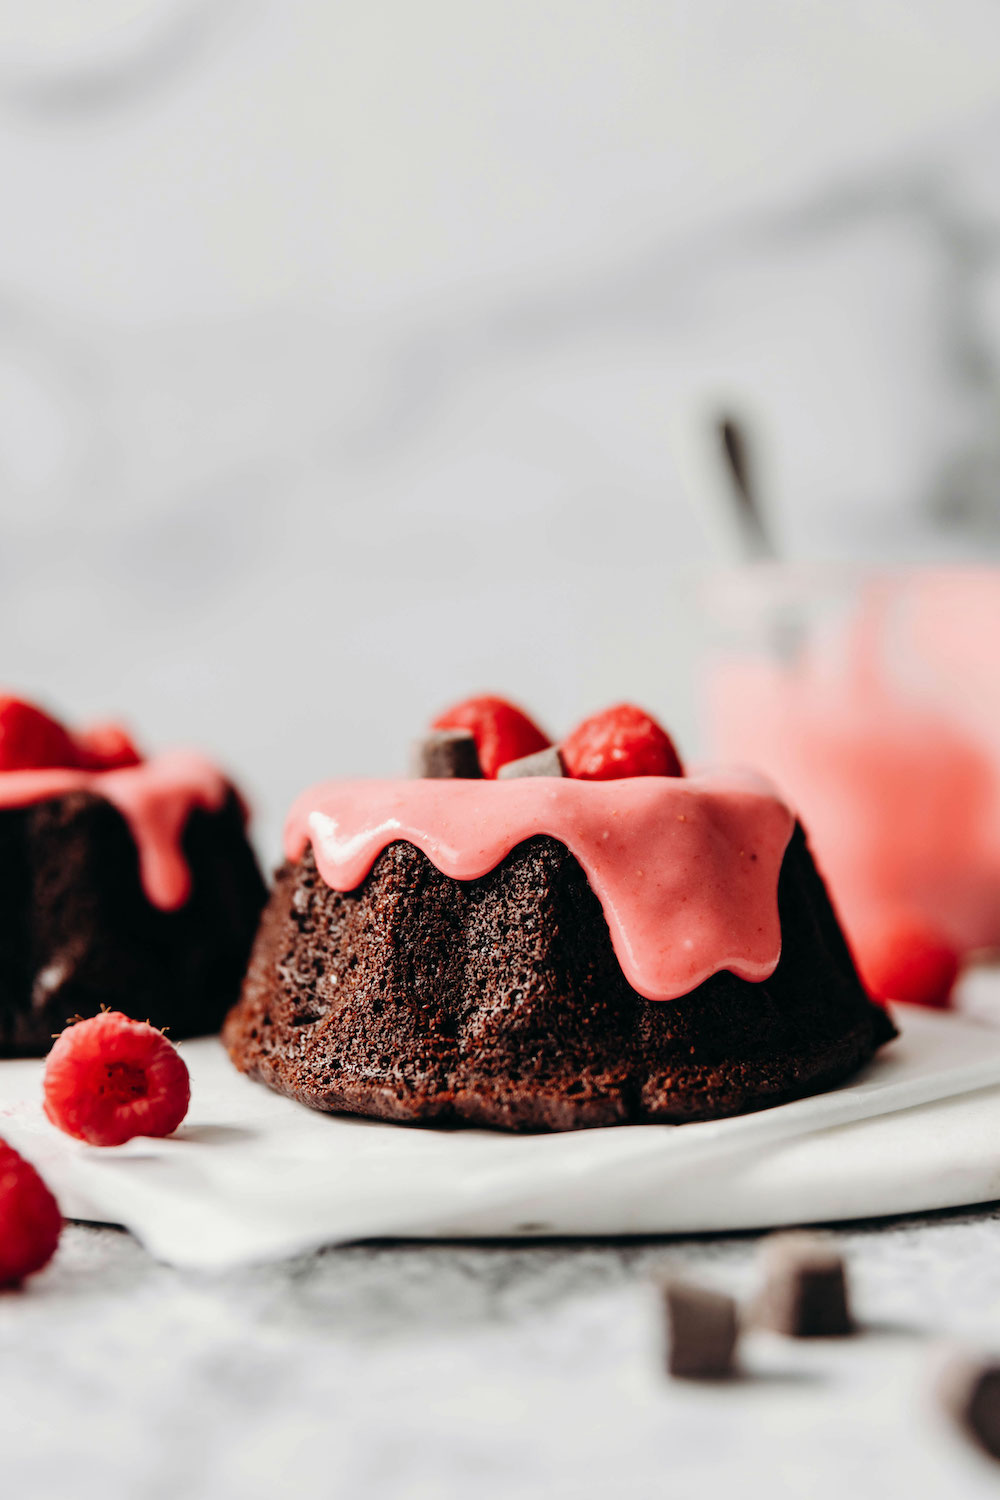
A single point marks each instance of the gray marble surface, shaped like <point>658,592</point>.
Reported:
<point>435,1371</point>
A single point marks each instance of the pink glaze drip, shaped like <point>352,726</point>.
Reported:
<point>686,869</point>
<point>155,798</point>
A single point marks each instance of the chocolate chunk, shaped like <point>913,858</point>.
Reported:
<point>447,753</point>
<point>701,1330</point>
<point>804,1294</point>
<point>968,1388</point>
<point>546,762</point>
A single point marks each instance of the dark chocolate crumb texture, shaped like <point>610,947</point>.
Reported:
<point>124,882</point>
<point>621,944</point>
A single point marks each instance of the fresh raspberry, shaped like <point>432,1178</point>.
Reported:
<point>30,1221</point>
<point>502,732</point>
<point>110,1078</point>
<point>30,740</point>
<point>621,741</point>
<point>106,747</point>
<point>905,960</point>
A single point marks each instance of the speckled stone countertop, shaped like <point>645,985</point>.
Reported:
<point>487,1370</point>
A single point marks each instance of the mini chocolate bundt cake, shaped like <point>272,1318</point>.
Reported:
<point>533,950</point>
<point>124,882</point>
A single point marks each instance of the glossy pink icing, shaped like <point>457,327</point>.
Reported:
<point>686,869</point>
<point>155,798</point>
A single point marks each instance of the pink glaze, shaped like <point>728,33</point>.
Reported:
<point>155,798</point>
<point>686,869</point>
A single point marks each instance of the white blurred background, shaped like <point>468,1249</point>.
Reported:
<point>353,358</point>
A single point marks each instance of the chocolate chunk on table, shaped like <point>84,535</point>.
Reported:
<point>804,1294</point>
<point>547,762</point>
<point>447,753</point>
<point>968,1388</point>
<point>701,1329</point>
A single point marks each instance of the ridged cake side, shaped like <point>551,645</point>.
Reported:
<point>500,1002</point>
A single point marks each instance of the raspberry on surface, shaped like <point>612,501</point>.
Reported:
<point>621,741</point>
<point>31,740</point>
<point>502,731</point>
<point>904,959</point>
<point>106,747</point>
<point>110,1078</point>
<point>30,1221</point>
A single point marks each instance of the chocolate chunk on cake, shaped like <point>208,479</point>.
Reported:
<point>124,882</point>
<point>551,953</point>
<point>446,753</point>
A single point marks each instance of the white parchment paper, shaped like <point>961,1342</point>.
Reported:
<point>251,1176</point>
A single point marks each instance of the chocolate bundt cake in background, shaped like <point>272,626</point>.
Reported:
<point>124,882</point>
<point>547,938</point>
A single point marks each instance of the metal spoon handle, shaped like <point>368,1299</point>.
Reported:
<point>753,530</point>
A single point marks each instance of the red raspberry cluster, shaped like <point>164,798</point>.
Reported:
<point>31,740</point>
<point>619,742</point>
